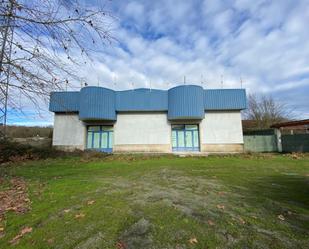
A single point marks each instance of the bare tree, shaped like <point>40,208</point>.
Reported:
<point>265,111</point>
<point>49,37</point>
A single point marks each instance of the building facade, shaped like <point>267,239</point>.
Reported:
<point>185,118</point>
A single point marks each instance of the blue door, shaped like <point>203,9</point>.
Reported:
<point>185,138</point>
<point>100,137</point>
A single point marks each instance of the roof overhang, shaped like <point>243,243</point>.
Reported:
<point>291,123</point>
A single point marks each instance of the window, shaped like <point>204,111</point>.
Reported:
<point>100,138</point>
<point>185,138</point>
<point>174,138</point>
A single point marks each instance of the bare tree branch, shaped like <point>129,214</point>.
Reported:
<point>50,38</point>
<point>265,111</point>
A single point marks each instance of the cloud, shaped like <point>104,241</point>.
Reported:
<point>159,42</point>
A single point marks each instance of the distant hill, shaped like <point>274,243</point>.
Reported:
<point>28,131</point>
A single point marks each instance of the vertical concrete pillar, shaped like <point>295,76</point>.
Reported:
<point>279,142</point>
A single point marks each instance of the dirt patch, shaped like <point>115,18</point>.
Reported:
<point>205,200</point>
<point>94,241</point>
<point>173,189</point>
<point>14,198</point>
<point>137,236</point>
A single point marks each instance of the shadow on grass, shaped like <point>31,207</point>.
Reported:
<point>285,195</point>
<point>287,189</point>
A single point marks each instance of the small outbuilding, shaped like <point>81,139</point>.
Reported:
<point>184,118</point>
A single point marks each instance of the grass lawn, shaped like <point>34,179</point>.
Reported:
<point>161,202</point>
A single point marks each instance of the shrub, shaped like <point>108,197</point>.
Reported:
<point>13,151</point>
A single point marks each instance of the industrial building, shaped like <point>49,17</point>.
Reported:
<point>185,118</point>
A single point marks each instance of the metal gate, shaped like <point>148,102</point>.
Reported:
<point>260,141</point>
<point>295,143</point>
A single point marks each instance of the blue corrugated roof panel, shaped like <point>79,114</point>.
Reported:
<point>97,103</point>
<point>142,99</point>
<point>182,102</point>
<point>186,102</point>
<point>64,102</point>
<point>225,99</point>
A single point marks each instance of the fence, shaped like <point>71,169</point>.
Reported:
<point>295,143</point>
<point>260,141</point>
<point>266,141</point>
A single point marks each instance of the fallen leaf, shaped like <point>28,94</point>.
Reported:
<point>90,202</point>
<point>221,193</point>
<point>220,206</point>
<point>24,231</point>
<point>1,229</point>
<point>14,198</point>
<point>241,220</point>
<point>11,208</point>
<point>281,217</point>
<point>66,210</point>
<point>50,241</point>
<point>80,215</point>
<point>120,245</point>
<point>210,223</point>
<point>193,240</point>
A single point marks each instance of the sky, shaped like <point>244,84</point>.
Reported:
<point>260,45</point>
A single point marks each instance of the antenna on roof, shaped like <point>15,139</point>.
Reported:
<point>114,81</point>
<point>53,85</point>
<point>98,81</point>
<point>66,85</point>
<point>202,80</point>
<point>240,82</point>
<point>150,85</point>
<point>221,81</point>
<point>184,79</point>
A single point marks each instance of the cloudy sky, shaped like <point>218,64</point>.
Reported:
<point>212,42</point>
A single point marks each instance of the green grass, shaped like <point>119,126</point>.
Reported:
<point>163,202</point>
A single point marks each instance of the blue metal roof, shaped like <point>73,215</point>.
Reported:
<point>141,99</point>
<point>64,102</point>
<point>97,103</point>
<point>186,102</point>
<point>181,102</point>
<point>225,99</point>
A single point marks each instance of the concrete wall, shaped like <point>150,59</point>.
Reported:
<point>142,132</point>
<point>221,131</point>
<point>69,132</point>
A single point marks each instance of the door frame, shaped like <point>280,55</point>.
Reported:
<point>185,131</point>
<point>109,148</point>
